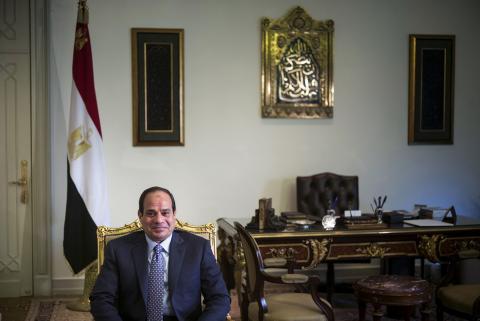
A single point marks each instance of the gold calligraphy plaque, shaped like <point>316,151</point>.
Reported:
<point>297,66</point>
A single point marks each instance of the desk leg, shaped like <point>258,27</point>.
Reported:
<point>425,312</point>
<point>408,312</point>
<point>377,312</point>
<point>330,281</point>
<point>362,309</point>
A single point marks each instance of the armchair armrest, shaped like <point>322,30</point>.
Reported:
<point>288,278</point>
<point>323,304</point>
<point>294,278</point>
<point>275,262</point>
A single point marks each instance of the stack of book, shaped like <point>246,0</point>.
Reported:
<point>292,217</point>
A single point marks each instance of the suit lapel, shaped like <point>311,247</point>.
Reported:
<point>177,253</point>
<point>139,254</point>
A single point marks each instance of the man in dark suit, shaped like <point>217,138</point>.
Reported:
<point>125,288</point>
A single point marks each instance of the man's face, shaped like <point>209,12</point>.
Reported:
<point>158,218</point>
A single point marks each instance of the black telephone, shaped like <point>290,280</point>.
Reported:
<point>453,218</point>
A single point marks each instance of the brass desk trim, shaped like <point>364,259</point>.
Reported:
<point>391,231</point>
<point>284,250</point>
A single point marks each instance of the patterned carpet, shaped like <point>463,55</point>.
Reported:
<point>40,309</point>
<point>14,309</point>
<point>54,309</point>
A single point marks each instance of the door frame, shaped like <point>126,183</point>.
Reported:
<point>41,149</point>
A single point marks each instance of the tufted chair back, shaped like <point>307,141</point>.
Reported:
<point>315,192</point>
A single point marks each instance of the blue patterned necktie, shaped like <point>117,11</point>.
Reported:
<point>156,285</point>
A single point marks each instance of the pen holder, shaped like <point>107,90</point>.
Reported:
<point>379,214</point>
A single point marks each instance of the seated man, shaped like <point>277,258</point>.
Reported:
<point>159,273</point>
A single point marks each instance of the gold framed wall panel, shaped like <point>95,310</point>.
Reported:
<point>157,81</point>
<point>431,88</point>
<point>297,66</point>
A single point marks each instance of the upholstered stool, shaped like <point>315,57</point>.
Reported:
<point>393,290</point>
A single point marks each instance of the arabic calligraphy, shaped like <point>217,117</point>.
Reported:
<point>299,74</point>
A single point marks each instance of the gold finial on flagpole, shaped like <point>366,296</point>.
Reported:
<point>82,16</point>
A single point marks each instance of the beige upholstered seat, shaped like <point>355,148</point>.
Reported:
<point>461,300</point>
<point>460,297</point>
<point>282,306</point>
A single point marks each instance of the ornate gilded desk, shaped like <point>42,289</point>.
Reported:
<point>314,245</point>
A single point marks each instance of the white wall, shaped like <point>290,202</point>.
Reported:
<point>232,156</point>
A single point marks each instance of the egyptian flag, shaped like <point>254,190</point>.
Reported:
<point>87,202</point>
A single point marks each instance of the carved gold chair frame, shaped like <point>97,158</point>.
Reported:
<point>106,234</point>
<point>297,66</point>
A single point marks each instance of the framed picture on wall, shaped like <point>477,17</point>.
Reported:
<point>157,79</point>
<point>431,83</point>
<point>297,66</point>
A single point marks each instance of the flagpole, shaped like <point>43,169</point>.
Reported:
<point>83,304</point>
<point>87,201</point>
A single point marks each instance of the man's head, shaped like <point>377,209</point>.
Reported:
<point>157,213</point>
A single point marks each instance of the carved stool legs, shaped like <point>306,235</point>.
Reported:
<point>378,311</point>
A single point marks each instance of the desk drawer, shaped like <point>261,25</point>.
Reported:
<point>452,245</point>
<point>374,249</point>
<point>304,253</point>
<point>300,251</point>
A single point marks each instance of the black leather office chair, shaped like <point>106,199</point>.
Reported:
<point>316,192</point>
<point>314,196</point>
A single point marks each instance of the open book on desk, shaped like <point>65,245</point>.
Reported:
<point>427,222</point>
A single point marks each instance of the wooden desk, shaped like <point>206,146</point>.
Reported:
<point>314,245</point>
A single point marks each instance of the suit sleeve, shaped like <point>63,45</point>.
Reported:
<point>104,297</point>
<point>215,294</point>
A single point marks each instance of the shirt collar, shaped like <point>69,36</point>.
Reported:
<point>165,243</point>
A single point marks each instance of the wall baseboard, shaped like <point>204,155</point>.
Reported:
<point>67,286</point>
<point>42,285</point>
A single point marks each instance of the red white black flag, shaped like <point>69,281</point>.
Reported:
<point>87,201</point>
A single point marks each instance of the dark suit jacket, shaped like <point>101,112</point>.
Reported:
<point>120,289</point>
